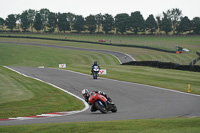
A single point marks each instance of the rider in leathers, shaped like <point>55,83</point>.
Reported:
<point>94,64</point>
<point>87,94</point>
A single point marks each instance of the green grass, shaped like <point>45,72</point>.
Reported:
<point>21,55</point>
<point>151,41</point>
<point>198,63</point>
<point>181,41</point>
<point>22,96</point>
<point>11,89</point>
<point>173,125</point>
<point>165,78</point>
<point>137,53</point>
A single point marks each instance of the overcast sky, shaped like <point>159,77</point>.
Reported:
<point>190,8</point>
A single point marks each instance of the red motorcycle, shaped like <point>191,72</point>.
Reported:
<point>101,103</point>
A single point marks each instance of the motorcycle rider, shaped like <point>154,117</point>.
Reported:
<point>94,64</point>
<point>86,93</point>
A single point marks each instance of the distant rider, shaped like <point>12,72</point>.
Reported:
<point>94,64</point>
<point>86,93</point>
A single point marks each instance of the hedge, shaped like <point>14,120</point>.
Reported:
<point>165,65</point>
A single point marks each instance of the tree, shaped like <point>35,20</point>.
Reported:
<point>151,24</point>
<point>79,23</point>
<point>2,22</point>
<point>137,22</point>
<point>185,25</point>
<point>122,22</point>
<point>91,23</point>
<point>99,19</point>
<point>44,15</point>
<point>52,21</point>
<point>159,22</point>
<point>18,20</point>
<point>25,24</point>
<point>175,15</point>
<point>107,23</point>
<point>11,21</point>
<point>31,17</point>
<point>38,22</point>
<point>196,25</point>
<point>166,24</point>
<point>70,18</point>
<point>63,24</point>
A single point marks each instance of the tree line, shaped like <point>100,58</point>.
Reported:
<point>170,21</point>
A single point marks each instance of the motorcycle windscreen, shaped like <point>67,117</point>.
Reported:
<point>96,68</point>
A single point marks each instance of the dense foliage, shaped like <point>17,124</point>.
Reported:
<point>171,21</point>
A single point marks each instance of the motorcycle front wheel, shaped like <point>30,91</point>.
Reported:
<point>100,107</point>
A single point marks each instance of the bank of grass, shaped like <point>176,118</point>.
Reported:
<point>123,39</point>
<point>137,53</point>
<point>22,96</point>
<point>172,125</point>
<point>34,56</point>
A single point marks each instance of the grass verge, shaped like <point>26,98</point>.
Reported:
<point>22,96</point>
<point>173,125</point>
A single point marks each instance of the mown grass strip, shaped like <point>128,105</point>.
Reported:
<point>34,56</point>
<point>173,125</point>
<point>138,53</point>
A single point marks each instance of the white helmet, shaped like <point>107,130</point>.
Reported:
<point>85,92</point>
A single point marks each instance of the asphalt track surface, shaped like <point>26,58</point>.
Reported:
<point>134,101</point>
<point>122,57</point>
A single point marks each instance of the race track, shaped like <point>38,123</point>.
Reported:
<point>134,101</point>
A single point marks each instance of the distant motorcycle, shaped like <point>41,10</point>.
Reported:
<point>101,103</point>
<point>95,72</point>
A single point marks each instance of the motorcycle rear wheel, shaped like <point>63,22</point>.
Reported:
<point>94,75</point>
<point>114,108</point>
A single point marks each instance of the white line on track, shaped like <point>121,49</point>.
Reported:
<point>136,83</point>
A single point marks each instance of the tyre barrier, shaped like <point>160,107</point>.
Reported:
<point>165,65</point>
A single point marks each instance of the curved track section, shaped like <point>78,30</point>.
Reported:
<point>122,57</point>
<point>134,101</point>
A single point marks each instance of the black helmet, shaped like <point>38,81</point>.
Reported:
<point>95,62</point>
